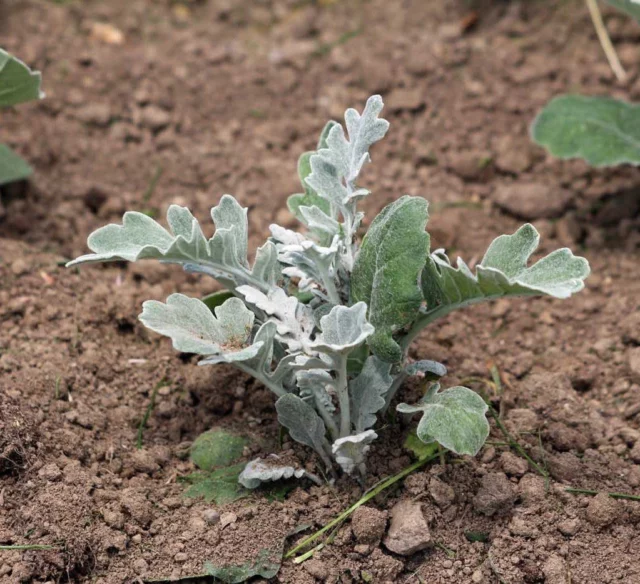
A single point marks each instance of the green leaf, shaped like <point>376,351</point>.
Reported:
<point>418,448</point>
<point>220,486</point>
<point>631,7</point>
<point>193,328</point>
<point>216,448</point>
<point>12,166</point>
<point>18,83</point>
<point>502,272</point>
<point>455,418</point>
<point>266,564</point>
<point>216,299</point>
<point>602,130</point>
<point>386,272</point>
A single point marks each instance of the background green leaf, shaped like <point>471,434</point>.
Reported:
<point>220,486</point>
<point>216,448</point>
<point>18,83</point>
<point>216,299</point>
<point>628,6</point>
<point>12,166</point>
<point>386,271</point>
<point>418,448</point>
<point>602,130</point>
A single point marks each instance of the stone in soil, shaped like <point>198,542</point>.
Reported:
<point>409,531</point>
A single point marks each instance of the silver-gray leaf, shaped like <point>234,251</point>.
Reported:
<point>192,327</point>
<point>503,272</point>
<point>455,418</point>
<point>302,421</point>
<point>368,392</point>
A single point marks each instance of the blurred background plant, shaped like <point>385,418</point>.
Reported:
<point>18,84</point>
<point>602,130</point>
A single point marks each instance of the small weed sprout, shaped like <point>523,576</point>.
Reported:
<point>323,320</point>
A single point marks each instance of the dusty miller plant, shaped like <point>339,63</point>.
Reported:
<point>324,320</point>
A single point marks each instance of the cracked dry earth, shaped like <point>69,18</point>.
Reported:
<point>222,96</point>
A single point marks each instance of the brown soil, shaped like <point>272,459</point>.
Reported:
<point>222,96</point>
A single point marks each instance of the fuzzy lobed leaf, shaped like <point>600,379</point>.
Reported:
<point>192,327</point>
<point>258,472</point>
<point>223,257</point>
<point>343,329</point>
<point>503,272</point>
<point>350,452</point>
<point>455,418</point>
<point>386,272</point>
<point>367,392</point>
<point>302,421</point>
<point>602,130</point>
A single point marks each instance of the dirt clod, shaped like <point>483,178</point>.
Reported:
<point>532,200</point>
<point>495,496</point>
<point>602,510</point>
<point>368,524</point>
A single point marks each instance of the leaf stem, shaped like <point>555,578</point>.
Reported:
<point>370,494</point>
<point>274,387</point>
<point>425,320</point>
<point>612,495</point>
<point>605,41</point>
<point>343,397</point>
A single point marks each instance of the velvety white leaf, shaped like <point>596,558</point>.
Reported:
<point>343,158</point>
<point>223,257</point>
<point>350,452</point>
<point>426,367</point>
<point>194,329</point>
<point>259,471</point>
<point>455,418</point>
<point>343,329</point>
<point>302,421</point>
<point>313,263</point>
<point>315,387</point>
<point>503,272</point>
<point>367,392</point>
<point>319,222</point>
